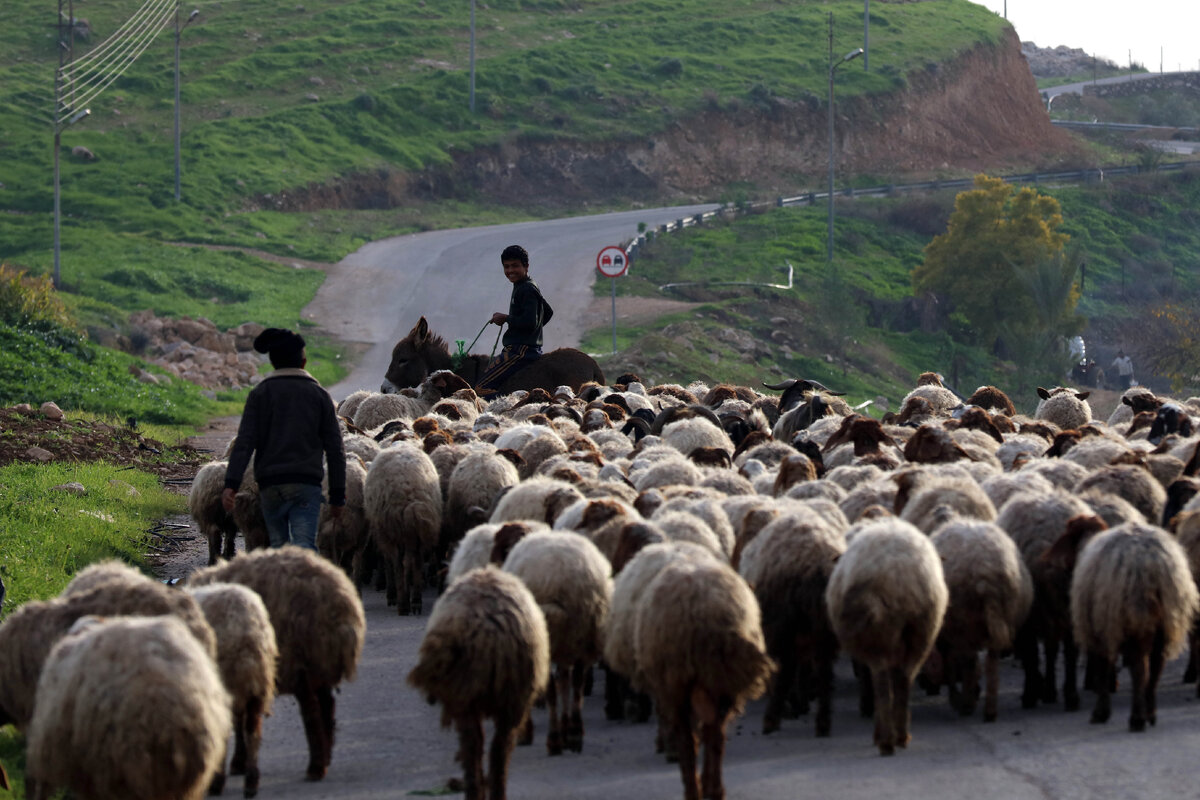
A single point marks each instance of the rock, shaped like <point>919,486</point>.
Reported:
<point>51,411</point>
<point>190,330</point>
<point>100,515</point>
<point>38,454</point>
<point>82,153</point>
<point>130,491</point>
<point>23,408</point>
<point>73,487</point>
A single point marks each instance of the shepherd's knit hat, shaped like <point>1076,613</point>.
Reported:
<point>278,340</point>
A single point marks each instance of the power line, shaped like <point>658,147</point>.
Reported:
<point>147,9</point>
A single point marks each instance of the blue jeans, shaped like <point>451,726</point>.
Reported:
<point>291,511</point>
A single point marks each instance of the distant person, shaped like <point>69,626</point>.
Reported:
<point>290,426</point>
<point>1123,364</point>
<point>527,313</point>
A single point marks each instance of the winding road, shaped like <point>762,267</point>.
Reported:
<point>375,295</point>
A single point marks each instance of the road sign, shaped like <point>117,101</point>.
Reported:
<point>612,262</point>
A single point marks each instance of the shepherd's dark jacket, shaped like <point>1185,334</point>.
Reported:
<point>290,424</point>
<point>528,311</point>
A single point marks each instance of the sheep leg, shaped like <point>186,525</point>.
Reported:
<point>327,703</point>
<point>1027,650</point>
<point>1136,655</point>
<point>414,578</point>
<point>885,738</point>
<point>782,685</point>
<point>1156,667</point>
<point>712,734</point>
<point>504,737</point>
<point>1049,687</point>
<point>824,669</point>
<point>1102,670</point>
<point>991,670</point>
<point>866,697</point>
<point>639,707</point>
<point>213,534</point>
<point>615,689</point>
<point>217,784</point>
<point>685,739</point>
<point>230,549</point>
<point>796,701</point>
<point>314,730</point>
<point>968,676</point>
<point>901,686</point>
<point>525,737</point>
<point>1070,681</point>
<point>249,738</point>
<point>238,765</point>
<point>1193,665</point>
<point>554,737</point>
<point>573,735</point>
<point>470,752</point>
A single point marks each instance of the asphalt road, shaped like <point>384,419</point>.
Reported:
<point>453,278</point>
<point>390,744</point>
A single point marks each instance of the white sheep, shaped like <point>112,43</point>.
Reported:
<point>788,566</point>
<point>887,597</point>
<point>539,499</point>
<point>991,592</point>
<point>1035,521</point>
<point>29,632</point>
<point>204,504</point>
<point>477,548</point>
<point>475,483</point>
<point>1064,407</point>
<point>570,579</point>
<point>319,628</point>
<point>375,410</point>
<point>246,656</point>
<point>402,498</point>
<point>485,653</point>
<point>341,539</point>
<point>91,731</point>
<point>1131,482</point>
<point>1132,595</point>
<point>700,649</point>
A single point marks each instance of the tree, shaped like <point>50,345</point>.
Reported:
<point>1002,265</point>
<point>1174,331</point>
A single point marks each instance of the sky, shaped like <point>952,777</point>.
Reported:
<point>1111,28</point>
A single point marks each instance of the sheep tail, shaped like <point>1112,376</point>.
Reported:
<point>423,518</point>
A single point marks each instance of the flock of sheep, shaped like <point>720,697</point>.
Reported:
<point>702,545</point>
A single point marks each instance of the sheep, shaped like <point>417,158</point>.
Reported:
<point>349,405</point>
<point>620,651</point>
<point>942,401</point>
<point>931,497</point>
<point>686,435</point>
<point>999,488</point>
<point>1111,508</point>
<point>1035,521</point>
<point>1186,526</point>
<point>475,550</point>
<point>476,481</point>
<point>993,400</point>
<point>788,566</point>
<point>246,656</point>
<point>991,592</point>
<point>319,627</point>
<point>570,578</point>
<point>539,499</point>
<point>341,539</point>
<point>599,519</point>
<point>1132,595</point>
<point>364,447</point>
<point>100,572</point>
<point>1066,408</point>
<point>886,598</point>
<point>403,502</point>
<point>376,409</point>
<point>204,504</point>
<point>247,512</point>
<point>684,526</point>
<point>700,649</point>
<point>91,732</point>
<point>30,631</point>
<point>485,653</point>
<point>1131,482</point>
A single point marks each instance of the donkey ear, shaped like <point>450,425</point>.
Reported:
<point>422,329</point>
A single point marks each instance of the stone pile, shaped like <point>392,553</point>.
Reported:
<point>195,350</point>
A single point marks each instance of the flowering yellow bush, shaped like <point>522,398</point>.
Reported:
<point>25,299</point>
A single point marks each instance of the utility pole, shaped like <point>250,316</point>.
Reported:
<point>178,29</point>
<point>471,101</point>
<point>66,56</point>
<point>866,34</point>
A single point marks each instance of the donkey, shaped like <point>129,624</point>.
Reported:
<point>422,352</point>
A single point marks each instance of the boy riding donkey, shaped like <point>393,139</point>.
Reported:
<point>527,313</point>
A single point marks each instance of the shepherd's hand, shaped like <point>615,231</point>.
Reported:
<point>227,497</point>
<point>499,319</point>
<point>335,511</point>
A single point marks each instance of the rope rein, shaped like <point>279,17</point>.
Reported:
<point>463,352</point>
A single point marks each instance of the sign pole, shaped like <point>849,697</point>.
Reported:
<point>611,262</point>
<point>614,314</point>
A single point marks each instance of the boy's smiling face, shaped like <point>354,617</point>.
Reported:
<point>514,270</point>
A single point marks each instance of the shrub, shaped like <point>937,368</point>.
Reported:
<point>26,299</point>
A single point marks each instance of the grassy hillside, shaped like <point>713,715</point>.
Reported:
<point>853,328</point>
<point>275,99</point>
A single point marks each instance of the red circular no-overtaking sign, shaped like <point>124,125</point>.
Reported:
<point>612,262</point>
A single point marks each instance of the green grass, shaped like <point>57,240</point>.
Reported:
<point>107,522</point>
<point>47,535</point>
<point>853,327</point>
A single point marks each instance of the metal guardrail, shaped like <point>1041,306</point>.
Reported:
<point>1122,126</point>
<point>1093,175</point>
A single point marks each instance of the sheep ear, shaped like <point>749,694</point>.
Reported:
<point>1125,400</point>
<point>1082,395</point>
<point>1042,393</point>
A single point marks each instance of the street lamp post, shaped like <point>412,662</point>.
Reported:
<point>178,29</point>
<point>833,65</point>
<point>471,97</point>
